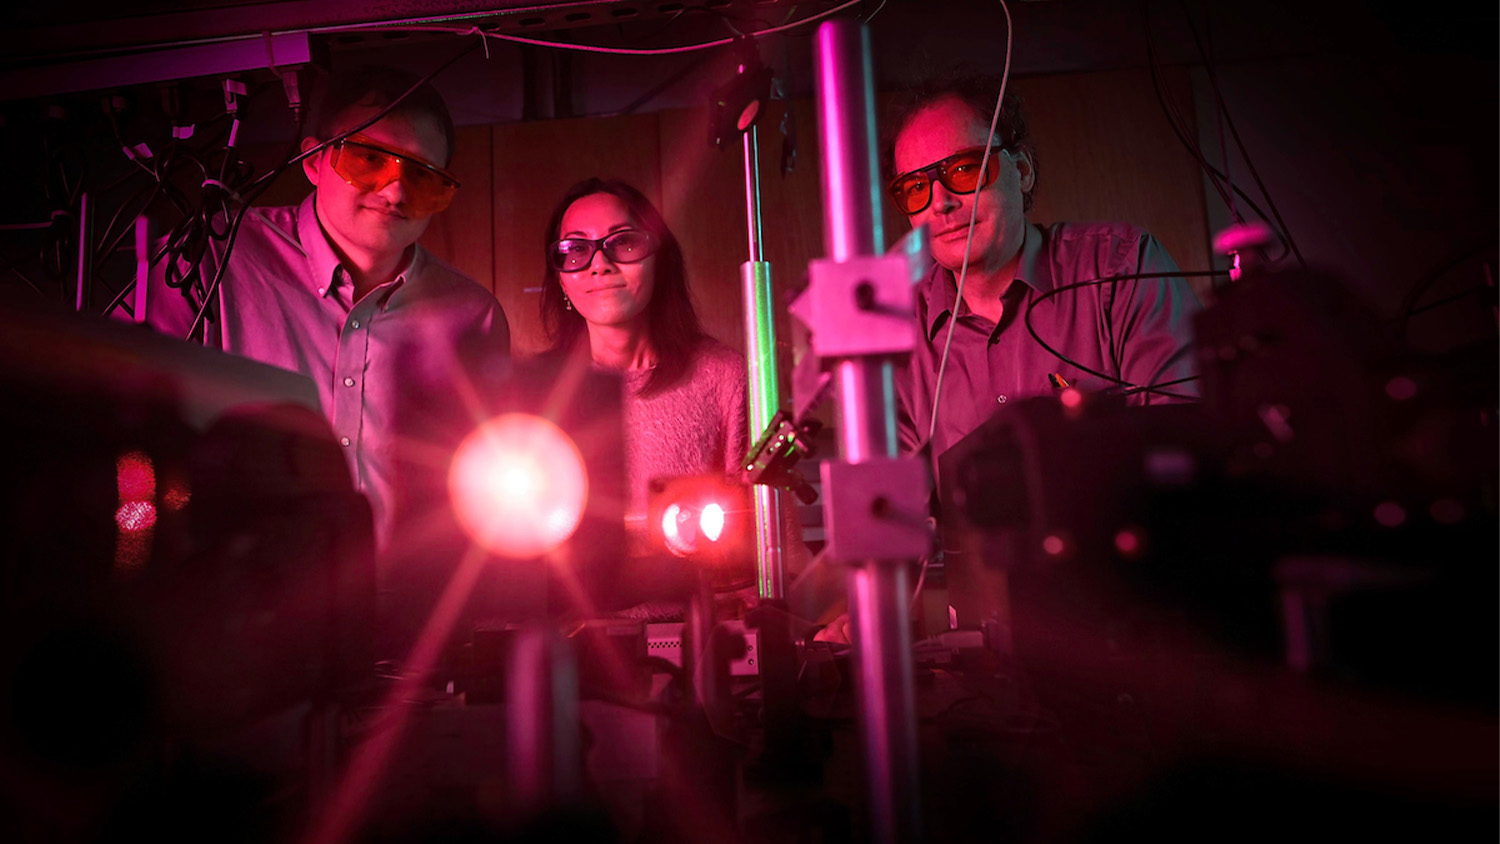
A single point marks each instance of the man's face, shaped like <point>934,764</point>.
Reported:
<point>374,222</point>
<point>937,131</point>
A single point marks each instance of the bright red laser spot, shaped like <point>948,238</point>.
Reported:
<point>518,485</point>
<point>136,516</point>
<point>682,527</point>
<point>177,496</point>
<point>1071,398</point>
<point>712,522</point>
<point>674,523</point>
<point>135,477</point>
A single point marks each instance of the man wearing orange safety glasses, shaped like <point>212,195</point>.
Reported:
<point>1131,336</point>
<point>337,288</point>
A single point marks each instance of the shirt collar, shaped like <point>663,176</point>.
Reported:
<point>323,263</point>
<point>941,286</point>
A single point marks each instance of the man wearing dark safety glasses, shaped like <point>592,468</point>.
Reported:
<point>1131,336</point>
<point>337,288</point>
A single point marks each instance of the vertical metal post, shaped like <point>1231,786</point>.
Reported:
<point>83,299</point>
<point>878,590</point>
<point>752,194</point>
<point>544,752</point>
<point>142,266</point>
<point>765,389</point>
<point>778,655</point>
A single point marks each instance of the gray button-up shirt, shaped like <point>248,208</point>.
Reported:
<point>392,370</point>
<point>1140,332</point>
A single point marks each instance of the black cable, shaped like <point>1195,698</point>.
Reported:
<point>1213,80</point>
<point>1409,307</point>
<point>1208,27</point>
<point>1446,300</point>
<point>130,285</point>
<point>104,251</point>
<point>1174,118</point>
<point>13,266</point>
<point>1221,182</point>
<point>1158,385</point>
<point>119,300</point>
<point>1151,388</point>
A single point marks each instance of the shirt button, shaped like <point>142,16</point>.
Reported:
<point>348,382</point>
<point>344,441</point>
<point>354,323</point>
<point>1002,399</point>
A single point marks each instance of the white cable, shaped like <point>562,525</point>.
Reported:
<point>963,272</point>
<point>415,26</point>
<point>664,51</point>
<point>619,51</point>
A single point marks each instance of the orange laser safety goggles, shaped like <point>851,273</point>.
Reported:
<point>959,173</point>
<point>370,166</point>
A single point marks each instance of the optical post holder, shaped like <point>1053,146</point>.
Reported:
<point>859,308</point>
<point>772,460</point>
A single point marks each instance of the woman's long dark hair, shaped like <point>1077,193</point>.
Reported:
<point>672,324</point>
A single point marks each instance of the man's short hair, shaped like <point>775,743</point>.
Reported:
<point>977,91</point>
<point>377,86</point>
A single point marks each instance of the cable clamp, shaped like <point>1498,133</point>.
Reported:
<point>484,39</point>
<point>233,88</point>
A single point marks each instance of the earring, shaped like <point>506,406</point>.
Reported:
<point>567,303</point>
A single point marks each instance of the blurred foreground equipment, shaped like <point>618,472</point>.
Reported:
<point>1288,589</point>
<point>186,561</point>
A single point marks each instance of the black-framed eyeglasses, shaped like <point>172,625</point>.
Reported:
<point>626,246</point>
<point>959,173</point>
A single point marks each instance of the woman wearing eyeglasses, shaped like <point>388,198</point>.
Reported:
<point>616,281</point>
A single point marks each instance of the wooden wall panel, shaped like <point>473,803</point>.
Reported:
<point>534,164</point>
<point>1106,152</point>
<point>792,215</point>
<point>704,189</point>
<point>704,192</point>
<point>463,234</point>
<point>703,199</point>
<point>287,189</point>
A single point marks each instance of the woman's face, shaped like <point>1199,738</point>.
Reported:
<point>604,292</point>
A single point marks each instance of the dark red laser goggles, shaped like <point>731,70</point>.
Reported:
<point>627,246</point>
<point>959,173</point>
<point>370,166</point>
